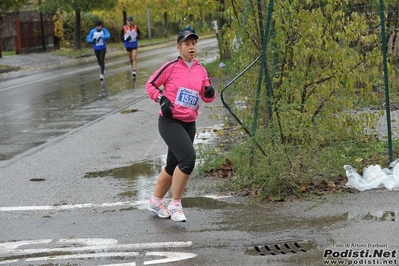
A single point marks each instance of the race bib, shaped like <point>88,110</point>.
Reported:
<point>97,35</point>
<point>100,42</point>
<point>187,98</point>
<point>132,34</point>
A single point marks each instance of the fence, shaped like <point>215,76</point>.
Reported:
<point>26,35</point>
<point>316,68</point>
<point>34,35</point>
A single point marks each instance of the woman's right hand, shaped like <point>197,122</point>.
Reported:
<point>166,106</point>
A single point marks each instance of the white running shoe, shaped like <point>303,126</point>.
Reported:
<point>134,73</point>
<point>101,77</point>
<point>159,209</point>
<point>176,212</point>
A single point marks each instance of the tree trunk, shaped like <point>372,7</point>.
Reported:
<point>78,42</point>
<point>165,20</point>
<point>223,50</point>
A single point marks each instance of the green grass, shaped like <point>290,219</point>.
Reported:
<point>6,53</point>
<point>70,52</point>
<point>289,170</point>
<point>67,50</point>
<point>4,66</point>
<point>293,172</point>
<point>86,49</point>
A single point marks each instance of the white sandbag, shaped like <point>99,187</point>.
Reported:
<point>373,177</point>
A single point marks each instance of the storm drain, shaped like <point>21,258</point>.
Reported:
<point>282,247</point>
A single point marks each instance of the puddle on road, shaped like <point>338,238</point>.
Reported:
<point>37,179</point>
<point>128,111</point>
<point>202,202</point>
<point>138,179</point>
<point>274,219</point>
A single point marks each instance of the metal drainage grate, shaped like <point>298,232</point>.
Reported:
<point>282,247</point>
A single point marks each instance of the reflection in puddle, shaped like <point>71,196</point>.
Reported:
<point>50,109</point>
<point>202,202</point>
<point>273,219</point>
<point>103,89</point>
<point>139,179</point>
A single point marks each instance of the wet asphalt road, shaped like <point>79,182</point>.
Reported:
<point>34,109</point>
<point>79,199</point>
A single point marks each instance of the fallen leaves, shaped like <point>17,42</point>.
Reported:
<point>226,170</point>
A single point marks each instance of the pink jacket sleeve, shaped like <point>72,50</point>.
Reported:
<point>207,82</point>
<point>155,82</point>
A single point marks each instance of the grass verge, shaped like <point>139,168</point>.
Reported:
<point>288,171</point>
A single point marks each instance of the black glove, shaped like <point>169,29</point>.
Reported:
<point>99,38</point>
<point>209,92</point>
<point>129,38</point>
<point>94,40</point>
<point>166,105</point>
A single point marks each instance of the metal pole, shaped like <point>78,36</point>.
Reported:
<point>42,33</point>
<point>384,60</point>
<point>265,38</point>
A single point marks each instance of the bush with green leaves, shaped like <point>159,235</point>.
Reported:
<point>88,22</point>
<point>323,63</point>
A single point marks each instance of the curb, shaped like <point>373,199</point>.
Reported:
<point>110,54</point>
<point>8,69</point>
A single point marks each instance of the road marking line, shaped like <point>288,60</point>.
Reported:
<point>8,261</point>
<point>71,206</point>
<point>52,77</point>
<point>14,247</point>
<point>86,205</point>
<point>121,264</point>
<point>170,257</point>
<point>26,83</point>
<point>85,256</point>
<point>95,248</point>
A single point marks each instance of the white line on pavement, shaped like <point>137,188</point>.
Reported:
<point>70,206</point>
<point>85,205</point>
<point>93,248</point>
<point>26,83</point>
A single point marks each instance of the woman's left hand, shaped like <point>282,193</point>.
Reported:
<point>209,92</point>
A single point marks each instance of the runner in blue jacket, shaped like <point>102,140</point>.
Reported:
<point>98,36</point>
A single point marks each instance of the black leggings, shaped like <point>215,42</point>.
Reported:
<point>100,54</point>
<point>179,137</point>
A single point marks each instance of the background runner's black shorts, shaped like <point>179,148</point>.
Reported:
<point>130,49</point>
